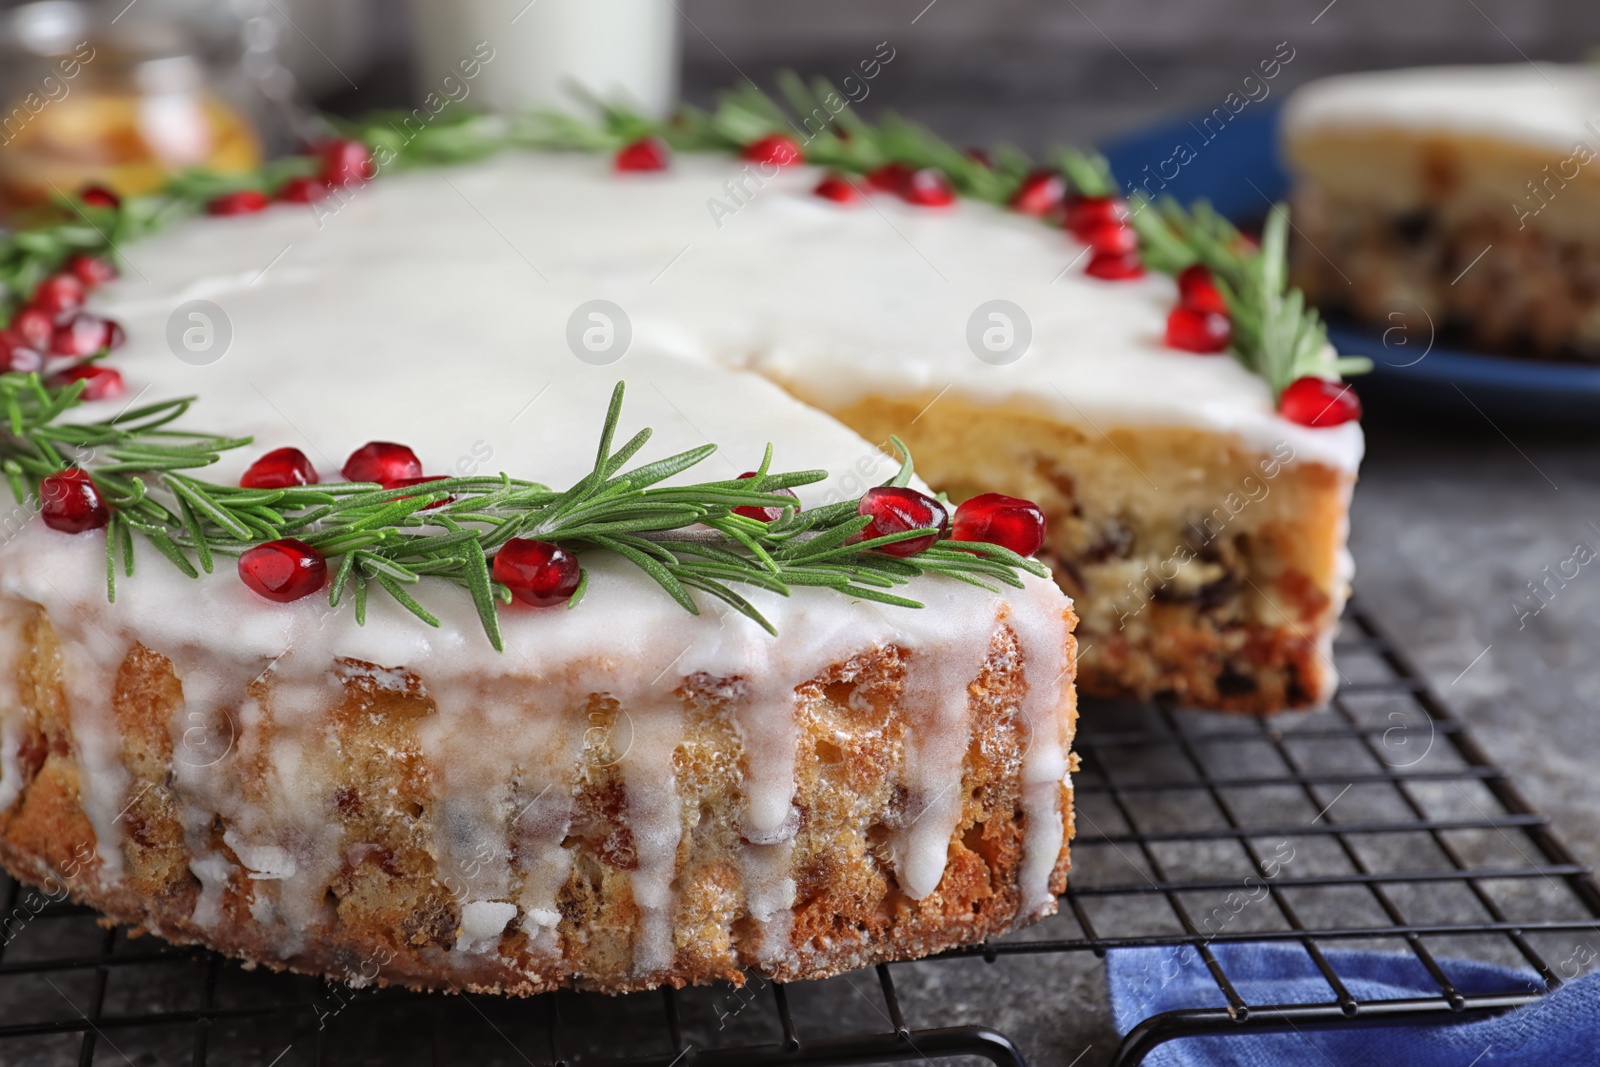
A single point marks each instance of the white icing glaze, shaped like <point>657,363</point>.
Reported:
<point>1044,765</point>
<point>1542,104</point>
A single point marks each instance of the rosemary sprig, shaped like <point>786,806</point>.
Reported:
<point>685,537</point>
<point>1275,335</point>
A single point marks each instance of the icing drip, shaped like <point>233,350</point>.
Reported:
<point>12,617</point>
<point>937,732</point>
<point>655,822</point>
<point>89,660</point>
<point>1042,631</point>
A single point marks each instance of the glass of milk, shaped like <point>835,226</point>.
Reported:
<point>528,54</point>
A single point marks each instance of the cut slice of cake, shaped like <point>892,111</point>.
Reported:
<point>1461,201</point>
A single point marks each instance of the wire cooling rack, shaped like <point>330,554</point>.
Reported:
<point>1378,823</point>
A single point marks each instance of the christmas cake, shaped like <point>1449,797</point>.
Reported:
<point>376,704</point>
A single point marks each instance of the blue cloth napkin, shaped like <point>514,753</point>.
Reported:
<point>1561,1028</point>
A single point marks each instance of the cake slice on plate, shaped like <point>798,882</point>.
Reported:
<point>1454,199</point>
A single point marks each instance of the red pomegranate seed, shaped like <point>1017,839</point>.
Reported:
<point>101,383</point>
<point>17,355</point>
<point>776,149</point>
<point>761,512</point>
<point>34,327</point>
<point>1115,266</point>
<point>57,295</point>
<point>84,335</point>
<point>997,519</point>
<point>238,202</point>
<point>1084,213</point>
<point>91,270</point>
<point>1040,193</point>
<point>894,510</point>
<point>979,155</point>
<point>1197,289</point>
<point>1197,330</point>
<point>838,188</point>
<point>282,468</point>
<point>890,178</point>
<point>383,462</point>
<point>929,188</point>
<point>647,153</point>
<point>99,196</point>
<point>302,190</point>
<point>537,572</point>
<point>401,483</point>
<point>1114,237</point>
<point>283,570</point>
<point>1319,402</point>
<point>69,501</point>
<point>346,163</point>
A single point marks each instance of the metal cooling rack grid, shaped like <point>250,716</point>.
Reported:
<point>1377,823</point>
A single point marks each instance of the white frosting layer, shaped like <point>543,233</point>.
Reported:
<point>418,272</point>
<point>1541,104</point>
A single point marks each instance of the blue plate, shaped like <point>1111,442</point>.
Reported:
<point>1237,168</point>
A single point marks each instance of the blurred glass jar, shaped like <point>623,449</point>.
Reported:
<point>119,103</point>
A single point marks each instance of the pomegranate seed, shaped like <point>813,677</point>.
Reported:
<point>997,519</point>
<point>401,483</point>
<point>647,153</point>
<point>92,271</point>
<point>238,202</point>
<point>928,187</point>
<point>383,462</point>
<point>1040,193</point>
<point>1197,330</point>
<point>282,468</point>
<point>537,572</point>
<point>776,149</point>
<point>894,510</point>
<point>101,383</point>
<point>1084,213</point>
<point>1114,237</point>
<point>890,178</point>
<point>57,295</point>
<point>34,327</point>
<point>1197,289</point>
<point>1319,402</point>
<point>69,501</point>
<point>84,335</point>
<point>283,570</point>
<point>979,155</point>
<point>99,196</point>
<point>1115,266</point>
<point>761,512</point>
<point>346,163</point>
<point>302,190</point>
<point>838,188</point>
<point>17,355</point>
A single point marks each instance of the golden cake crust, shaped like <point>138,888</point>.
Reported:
<point>392,907</point>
